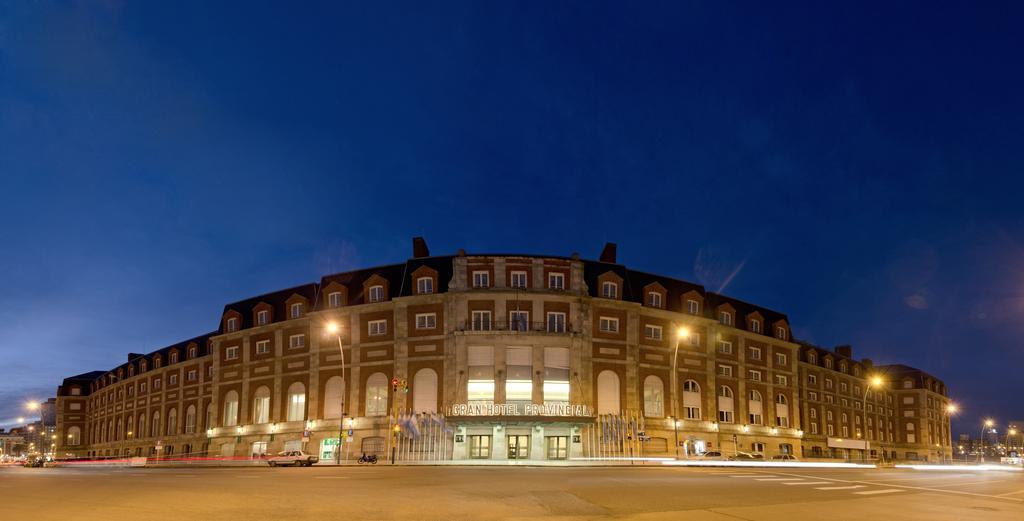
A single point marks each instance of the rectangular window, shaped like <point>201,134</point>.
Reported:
<point>725,370</point>
<point>725,318</point>
<point>377,327</point>
<point>232,325</point>
<point>609,324</point>
<point>812,379</point>
<point>691,412</point>
<point>263,347</point>
<point>479,446</point>
<point>192,375</point>
<point>424,285</point>
<point>693,339</point>
<point>231,353</point>
<point>829,398</point>
<point>725,347</point>
<point>814,428</point>
<point>781,379</point>
<point>755,353</point>
<point>480,369</point>
<point>517,279</point>
<point>172,379</point>
<point>692,307</point>
<point>426,320</point>
<point>376,294</point>
<point>556,375</point>
<point>755,325</point>
<point>654,299</point>
<point>781,359</point>
<point>156,383</point>
<point>780,333</point>
<point>519,320</point>
<point>481,321</point>
<point>296,310</point>
<point>481,279</point>
<point>609,290</point>
<point>556,322</point>
<point>556,281</point>
<point>652,332</point>
<point>828,383</point>
<point>334,299</point>
<point>296,341</point>
<point>518,374</point>
<point>755,376</point>
<point>557,447</point>
<point>262,317</point>
<point>142,387</point>
<point>725,416</point>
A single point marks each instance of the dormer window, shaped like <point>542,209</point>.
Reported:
<point>232,325</point>
<point>842,366</point>
<point>692,307</point>
<point>812,358</point>
<point>296,310</point>
<point>609,290</point>
<point>131,371</point>
<point>481,279</point>
<point>828,363</point>
<point>424,285</point>
<point>142,366</point>
<point>755,325</point>
<point>334,299</point>
<point>654,299</point>
<point>780,333</point>
<point>173,358</point>
<point>262,317</point>
<point>156,363</point>
<point>517,279</point>
<point>192,352</point>
<point>376,294</point>
<point>725,318</point>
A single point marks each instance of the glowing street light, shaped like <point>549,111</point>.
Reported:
<point>874,381</point>
<point>334,329</point>
<point>986,425</point>
<point>681,333</point>
<point>32,406</point>
<point>952,408</point>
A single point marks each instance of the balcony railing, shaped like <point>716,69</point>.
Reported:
<point>516,326</point>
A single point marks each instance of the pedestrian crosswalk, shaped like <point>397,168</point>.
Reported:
<point>816,484</point>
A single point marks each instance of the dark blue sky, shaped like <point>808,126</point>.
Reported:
<point>859,167</point>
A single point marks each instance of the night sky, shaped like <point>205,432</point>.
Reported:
<point>858,167</point>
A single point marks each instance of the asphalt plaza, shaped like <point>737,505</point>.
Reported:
<point>480,493</point>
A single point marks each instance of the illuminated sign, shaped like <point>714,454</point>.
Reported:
<point>521,409</point>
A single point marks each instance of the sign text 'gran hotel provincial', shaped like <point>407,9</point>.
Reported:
<point>520,409</point>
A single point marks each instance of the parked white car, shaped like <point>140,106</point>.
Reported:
<point>296,458</point>
<point>711,455</point>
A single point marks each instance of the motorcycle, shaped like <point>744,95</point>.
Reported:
<point>371,459</point>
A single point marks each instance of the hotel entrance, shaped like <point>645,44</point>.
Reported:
<point>518,446</point>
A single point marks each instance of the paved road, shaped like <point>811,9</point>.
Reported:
<point>481,493</point>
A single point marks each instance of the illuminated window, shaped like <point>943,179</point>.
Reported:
<point>654,397</point>
<point>296,402</point>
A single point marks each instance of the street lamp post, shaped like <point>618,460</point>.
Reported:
<point>950,410</point>
<point>681,333</point>
<point>981,452</point>
<point>874,381</point>
<point>334,329</point>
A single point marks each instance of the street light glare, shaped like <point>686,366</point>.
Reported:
<point>683,332</point>
<point>21,419</point>
<point>989,423</point>
<point>876,381</point>
<point>32,406</point>
<point>332,327</point>
<point>952,408</point>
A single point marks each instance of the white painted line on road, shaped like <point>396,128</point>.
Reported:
<point>330,477</point>
<point>807,483</point>
<point>1011,493</point>
<point>884,491</point>
<point>753,476</point>
<point>839,488</point>
<point>774,479</point>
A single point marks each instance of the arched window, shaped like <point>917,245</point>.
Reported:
<point>691,400</point>
<point>141,431</point>
<point>424,391</point>
<point>608,393</point>
<point>654,397</point>
<point>230,409</point>
<point>376,395</point>
<point>154,426</point>
<point>332,397</point>
<point>261,405</point>
<point>190,420</point>
<point>296,402</point>
<point>172,422</point>
<point>726,407</point>
<point>755,408</point>
<point>209,415</point>
<point>130,425</point>
<point>74,436</point>
<point>120,429</point>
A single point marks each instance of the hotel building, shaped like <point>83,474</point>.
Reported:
<point>497,357</point>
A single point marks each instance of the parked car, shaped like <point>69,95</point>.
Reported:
<point>34,462</point>
<point>711,455</point>
<point>784,457</point>
<point>746,456</point>
<point>296,458</point>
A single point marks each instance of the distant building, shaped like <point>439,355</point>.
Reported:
<point>48,412</point>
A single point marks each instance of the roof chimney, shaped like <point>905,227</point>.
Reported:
<point>419,248</point>
<point>845,350</point>
<point>608,253</point>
